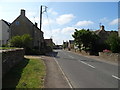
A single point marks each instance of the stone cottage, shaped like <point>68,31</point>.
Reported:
<point>22,25</point>
<point>103,36</point>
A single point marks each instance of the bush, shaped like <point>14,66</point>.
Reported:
<point>30,51</point>
<point>16,41</point>
<point>114,42</point>
<point>21,41</point>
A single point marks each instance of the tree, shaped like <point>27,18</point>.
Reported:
<point>114,42</point>
<point>26,40</point>
<point>85,37</point>
<point>16,41</point>
<point>21,41</point>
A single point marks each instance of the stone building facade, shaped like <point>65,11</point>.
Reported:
<point>22,25</point>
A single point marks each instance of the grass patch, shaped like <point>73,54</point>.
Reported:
<point>3,48</point>
<point>29,73</point>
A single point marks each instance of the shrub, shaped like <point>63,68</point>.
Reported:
<point>21,41</point>
<point>114,42</point>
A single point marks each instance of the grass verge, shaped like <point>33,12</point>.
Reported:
<point>7,48</point>
<point>29,73</point>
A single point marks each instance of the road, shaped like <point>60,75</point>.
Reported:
<point>84,72</point>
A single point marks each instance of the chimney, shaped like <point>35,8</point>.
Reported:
<point>22,12</point>
<point>102,27</point>
<point>35,24</point>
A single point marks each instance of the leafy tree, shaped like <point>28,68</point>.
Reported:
<point>85,37</point>
<point>77,39</point>
<point>16,41</point>
<point>21,41</point>
<point>114,42</point>
<point>26,40</point>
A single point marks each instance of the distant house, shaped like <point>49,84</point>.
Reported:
<point>65,44</point>
<point>103,36</point>
<point>49,45</point>
<point>4,32</point>
<point>49,42</point>
<point>22,25</point>
<point>71,44</point>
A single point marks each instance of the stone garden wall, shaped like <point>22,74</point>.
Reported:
<point>110,56</point>
<point>10,58</point>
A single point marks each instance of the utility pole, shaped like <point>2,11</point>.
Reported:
<point>41,44</point>
<point>45,10</point>
<point>40,17</point>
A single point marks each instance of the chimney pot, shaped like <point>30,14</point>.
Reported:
<point>102,27</point>
<point>22,12</point>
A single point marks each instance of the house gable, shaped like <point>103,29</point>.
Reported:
<point>22,25</point>
<point>4,31</point>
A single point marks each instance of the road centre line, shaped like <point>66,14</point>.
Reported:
<point>87,64</point>
<point>116,77</point>
<point>83,62</point>
<point>71,56</point>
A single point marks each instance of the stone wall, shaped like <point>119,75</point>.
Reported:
<point>10,58</point>
<point>85,53</point>
<point>110,56</point>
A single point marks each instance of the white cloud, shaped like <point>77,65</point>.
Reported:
<point>0,8</point>
<point>0,11</point>
<point>68,30</point>
<point>114,22</point>
<point>56,31</point>
<point>34,19</point>
<point>30,14</point>
<point>84,23</point>
<point>46,21</point>
<point>64,19</point>
<point>51,11</point>
<point>56,34</point>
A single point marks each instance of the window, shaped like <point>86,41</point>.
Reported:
<point>17,22</point>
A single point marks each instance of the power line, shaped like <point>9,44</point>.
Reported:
<point>49,22</point>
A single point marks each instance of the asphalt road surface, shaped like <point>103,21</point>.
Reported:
<point>84,72</point>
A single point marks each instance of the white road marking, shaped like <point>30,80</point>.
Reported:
<point>63,74</point>
<point>116,77</point>
<point>87,64</point>
<point>71,56</point>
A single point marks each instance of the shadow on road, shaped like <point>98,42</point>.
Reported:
<point>52,54</point>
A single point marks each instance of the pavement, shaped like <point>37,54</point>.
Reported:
<point>54,77</point>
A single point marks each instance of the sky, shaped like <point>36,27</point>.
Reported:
<point>62,18</point>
